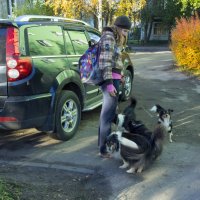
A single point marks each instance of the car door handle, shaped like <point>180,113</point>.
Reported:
<point>75,63</point>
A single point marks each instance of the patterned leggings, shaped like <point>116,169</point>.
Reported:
<point>107,115</point>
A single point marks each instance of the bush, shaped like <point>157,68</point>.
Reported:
<point>185,44</point>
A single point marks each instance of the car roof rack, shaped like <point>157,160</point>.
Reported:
<point>39,18</point>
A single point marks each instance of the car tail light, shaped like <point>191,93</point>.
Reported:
<point>17,67</point>
<point>8,119</point>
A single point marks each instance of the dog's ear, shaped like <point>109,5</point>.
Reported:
<point>112,136</point>
<point>115,137</point>
<point>160,109</point>
<point>153,109</point>
<point>170,111</point>
<point>157,108</point>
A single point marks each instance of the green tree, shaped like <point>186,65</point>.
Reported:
<point>130,8</point>
<point>177,9</point>
<point>78,9</point>
<point>148,12</point>
<point>189,7</point>
<point>37,8</point>
<point>67,8</point>
<point>165,10</point>
<point>171,12</point>
<point>91,8</point>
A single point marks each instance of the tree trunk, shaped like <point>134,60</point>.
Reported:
<point>145,32</point>
<point>106,19</point>
<point>95,21</point>
<point>100,24</point>
<point>149,30</point>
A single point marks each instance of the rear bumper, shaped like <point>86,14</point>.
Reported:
<point>26,112</point>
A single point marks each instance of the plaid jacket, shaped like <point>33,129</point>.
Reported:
<point>109,58</point>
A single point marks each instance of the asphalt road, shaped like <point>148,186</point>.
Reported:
<point>174,176</point>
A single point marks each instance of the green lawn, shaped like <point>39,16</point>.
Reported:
<point>9,191</point>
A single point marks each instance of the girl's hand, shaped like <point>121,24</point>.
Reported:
<point>111,89</point>
<point>122,79</point>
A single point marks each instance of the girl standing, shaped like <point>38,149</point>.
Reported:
<point>112,42</point>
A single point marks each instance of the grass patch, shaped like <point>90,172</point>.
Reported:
<point>9,191</point>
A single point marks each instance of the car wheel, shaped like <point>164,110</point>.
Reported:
<point>127,86</point>
<point>68,115</point>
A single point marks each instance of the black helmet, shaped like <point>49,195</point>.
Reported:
<point>123,22</point>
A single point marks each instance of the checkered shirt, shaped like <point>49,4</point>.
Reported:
<point>109,56</point>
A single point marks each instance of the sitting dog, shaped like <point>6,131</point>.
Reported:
<point>162,112</point>
<point>138,146</point>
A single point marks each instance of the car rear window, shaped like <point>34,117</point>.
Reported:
<point>2,45</point>
<point>46,40</point>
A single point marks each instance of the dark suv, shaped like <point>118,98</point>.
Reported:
<point>40,85</point>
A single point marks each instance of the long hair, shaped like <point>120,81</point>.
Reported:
<point>121,40</point>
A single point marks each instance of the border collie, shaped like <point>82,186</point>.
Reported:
<point>138,146</point>
<point>166,113</point>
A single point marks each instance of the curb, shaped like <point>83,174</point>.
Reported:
<point>149,49</point>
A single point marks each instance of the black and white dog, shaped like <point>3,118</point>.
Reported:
<point>128,114</point>
<point>164,113</point>
<point>138,146</point>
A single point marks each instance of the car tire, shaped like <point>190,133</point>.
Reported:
<point>126,86</point>
<point>68,115</point>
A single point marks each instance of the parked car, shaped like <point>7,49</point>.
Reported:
<point>40,85</point>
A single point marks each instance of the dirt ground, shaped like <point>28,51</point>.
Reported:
<point>40,180</point>
<point>44,168</point>
<point>39,183</point>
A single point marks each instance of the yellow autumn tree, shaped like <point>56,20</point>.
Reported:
<point>185,44</point>
<point>67,8</point>
<point>130,8</point>
<point>80,9</point>
<point>91,9</point>
<point>77,9</point>
<point>91,6</point>
<point>109,9</point>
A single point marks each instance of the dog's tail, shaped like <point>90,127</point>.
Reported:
<point>133,102</point>
<point>158,139</point>
<point>136,154</point>
<point>159,132</point>
<point>129,111</point>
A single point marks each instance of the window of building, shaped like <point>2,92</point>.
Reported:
<point>159,29</point>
